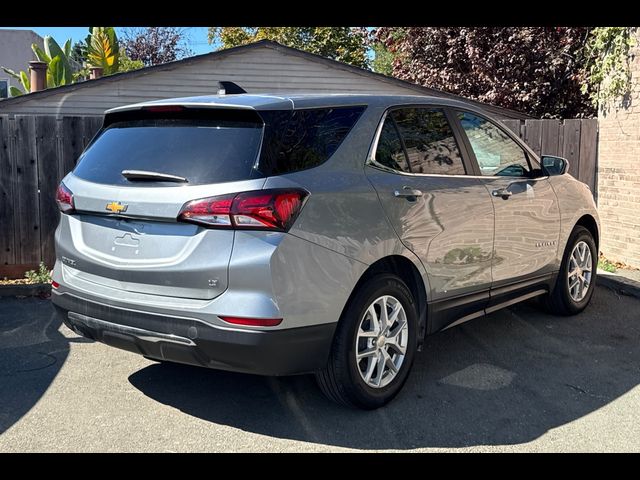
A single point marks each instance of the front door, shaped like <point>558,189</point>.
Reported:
<point>527,217</point>
<point>439,212</point>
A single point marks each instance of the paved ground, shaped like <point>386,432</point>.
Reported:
<point>518,380</point>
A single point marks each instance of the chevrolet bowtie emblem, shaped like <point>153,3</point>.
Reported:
<point>116,207</point>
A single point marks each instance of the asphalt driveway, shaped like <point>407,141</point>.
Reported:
<point>517,380</point>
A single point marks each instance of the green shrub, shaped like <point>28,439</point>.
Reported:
<point>42,275</point>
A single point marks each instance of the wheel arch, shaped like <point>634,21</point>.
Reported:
<point>409,273</point>
<point>589,222</point>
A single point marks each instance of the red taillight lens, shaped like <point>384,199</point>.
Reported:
<point>54,284</point>
<point>64,199</point>
<point>255,322</point>
<point>274,209</point>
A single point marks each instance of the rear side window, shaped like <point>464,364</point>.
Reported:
<point>390,153</point>
<point>301,139</point>
<point>201,150</point>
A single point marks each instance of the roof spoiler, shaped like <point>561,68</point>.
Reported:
<point>229,88</point>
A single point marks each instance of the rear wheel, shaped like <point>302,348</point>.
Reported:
<point>576,279</point>
<point>374,345</point>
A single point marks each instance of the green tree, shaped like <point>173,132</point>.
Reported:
<point>383,59</point>
<point>607,64</point>
<point>345,44</point>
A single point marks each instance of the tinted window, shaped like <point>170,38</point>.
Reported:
<point>203,151</point>
<point>429,141</point>
<point>300,139</point>
<point>389,152</point>
<point>496,152</point>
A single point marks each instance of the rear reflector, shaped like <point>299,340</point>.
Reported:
<point>64,199</point>
<point>255,322</point>
<point>274,209</point>
<point>54,284</point>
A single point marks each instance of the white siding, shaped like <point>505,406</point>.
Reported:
<point>258,70</point>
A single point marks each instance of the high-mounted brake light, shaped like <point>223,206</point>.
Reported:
<point>254,322</point>
<point>274,209</point>
<point>64,199</point>
<point>164,108</point>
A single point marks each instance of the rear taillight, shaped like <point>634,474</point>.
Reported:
<point>64,199</point>
<point>274,209</point>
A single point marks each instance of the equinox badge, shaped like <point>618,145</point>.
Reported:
<point>116,207</point>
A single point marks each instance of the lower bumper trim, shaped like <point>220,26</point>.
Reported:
<point>195,342</point>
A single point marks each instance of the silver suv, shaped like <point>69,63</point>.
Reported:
<point>323,234</point>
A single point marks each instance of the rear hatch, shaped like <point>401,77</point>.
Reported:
<point>130,185</point>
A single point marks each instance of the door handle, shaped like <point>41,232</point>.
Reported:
<point>502,192</point>
<point>407,192</point>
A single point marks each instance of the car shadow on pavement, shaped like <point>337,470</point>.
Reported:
<point>32,352</point>
<point>504,379</point>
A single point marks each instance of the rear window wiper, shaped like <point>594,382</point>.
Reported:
<point>150,176</point>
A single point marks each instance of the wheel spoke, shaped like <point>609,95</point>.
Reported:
<point>384,315</point>
<point>389,362</point>
<point>380,373</point>
<point>369,352</point>
<point>375,322</point>
<point>371,366</point>
<point>367,334</point>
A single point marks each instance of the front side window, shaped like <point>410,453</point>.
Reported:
<point>429,141</point>
<point>497,153</point>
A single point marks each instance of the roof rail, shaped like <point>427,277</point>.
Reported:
<point>229,88</point>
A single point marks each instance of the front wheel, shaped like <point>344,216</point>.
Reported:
<point>374,345</point>
<point>577,277</point>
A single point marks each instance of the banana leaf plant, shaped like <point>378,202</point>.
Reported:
<point>103,50</point>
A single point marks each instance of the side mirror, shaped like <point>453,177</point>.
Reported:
<point>553,165</point>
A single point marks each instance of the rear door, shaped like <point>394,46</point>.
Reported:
<point>125,234</point>
<point>439,212</point>
<point>527,217</point>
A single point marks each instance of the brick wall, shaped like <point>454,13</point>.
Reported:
<point>619,173</point>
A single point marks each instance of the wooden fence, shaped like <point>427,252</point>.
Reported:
<point>37,151</point>
<point>574,139</point>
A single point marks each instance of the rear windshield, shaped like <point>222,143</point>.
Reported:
<point>202,151</point>
<point>212,150</point>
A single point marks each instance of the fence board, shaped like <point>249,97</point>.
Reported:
<point>7,198</point>
<point>571,145</point>
<point>47,150</point>
<point>533,135</point>
<point>26,192</point>
<point>72,142</point>
<point>550,137</point>
<point>513,125</point>
<point>588,167</point>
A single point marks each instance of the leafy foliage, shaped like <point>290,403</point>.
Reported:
<point>607,53</point>
<point>59,66</point>
<point>345,44</point>
<point>103,49</point>
<point>383,59</point>
<point>155,45</point>
<point>538,70</point>
<point>42,275</point>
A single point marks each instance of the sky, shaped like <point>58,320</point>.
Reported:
<point>195,37</point>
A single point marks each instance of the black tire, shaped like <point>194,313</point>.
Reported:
<point>559,301</point>
<point>340,380</point>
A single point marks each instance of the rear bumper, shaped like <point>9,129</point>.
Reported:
<point>192,341</point>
